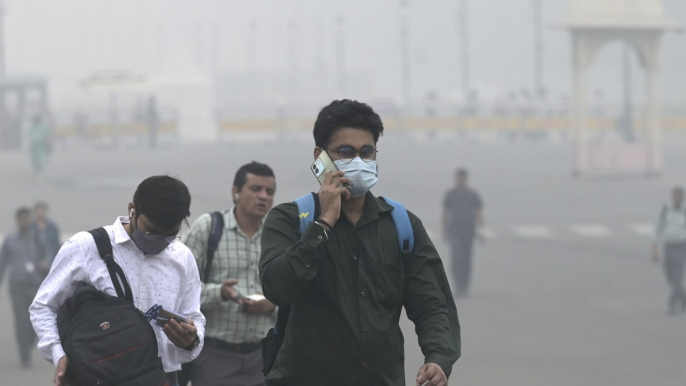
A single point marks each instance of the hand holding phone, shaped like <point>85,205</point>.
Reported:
<point>333,188</point>
<point>162,316</point>
<point>169,315</point>
<point>322,166</point>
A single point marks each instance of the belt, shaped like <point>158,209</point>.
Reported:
<point>241,348</point>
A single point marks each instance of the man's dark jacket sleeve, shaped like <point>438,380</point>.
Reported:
<point>289,260</point>
<point>429,302</point>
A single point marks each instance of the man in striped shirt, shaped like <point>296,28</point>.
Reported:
<point>671,233</point>
<point>238,317</point>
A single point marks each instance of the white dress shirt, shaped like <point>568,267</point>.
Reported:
<point>169,279</point>
<point>671,225</point>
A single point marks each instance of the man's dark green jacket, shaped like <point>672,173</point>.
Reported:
<point>346,296</point>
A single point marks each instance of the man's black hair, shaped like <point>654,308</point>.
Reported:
<point>462,172</point>
<point>678,189</point>
<point>346,113</point>
<point>22,211</point>
<point>165,200</point>
<point>255,168</point>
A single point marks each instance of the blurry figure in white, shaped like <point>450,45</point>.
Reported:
<point>670,234</point>
<point>40,145</point>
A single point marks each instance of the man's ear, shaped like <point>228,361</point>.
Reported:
<point>234,192</point>
<point>317,151</point>
<point>131,206</point>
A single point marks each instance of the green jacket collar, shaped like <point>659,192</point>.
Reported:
<point>372,207</point>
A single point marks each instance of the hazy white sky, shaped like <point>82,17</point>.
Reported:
<point>69,39</point>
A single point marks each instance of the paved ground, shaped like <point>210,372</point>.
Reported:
<point>563,294</point>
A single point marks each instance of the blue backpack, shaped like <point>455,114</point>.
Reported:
<point>308,210</point>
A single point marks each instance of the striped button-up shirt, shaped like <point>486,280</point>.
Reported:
<point>237,257</point>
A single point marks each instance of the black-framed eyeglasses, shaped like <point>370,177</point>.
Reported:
<point>347,153</point>
<point>156,237</point>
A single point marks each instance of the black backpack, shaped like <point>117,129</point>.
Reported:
<point>107,339</point>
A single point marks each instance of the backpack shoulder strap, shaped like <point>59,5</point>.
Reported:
<point>402,225</point>
<point>307,210</point>
<point>216,232</point>
<point>102,241</point>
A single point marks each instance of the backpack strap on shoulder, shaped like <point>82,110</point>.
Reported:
<point>308,210</point>
<point>402,225</point>
<point>102,241</point>
<point>216,232</point>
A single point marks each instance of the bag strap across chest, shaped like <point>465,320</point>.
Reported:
<point>121,286</point>
<point>216,232</point>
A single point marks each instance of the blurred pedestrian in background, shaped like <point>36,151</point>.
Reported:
<point>670,233</point>
<point>24,255</point>
<point>48,232</point>
<point>235,324</point>
<point>463,221</point>
<point>40,146</point>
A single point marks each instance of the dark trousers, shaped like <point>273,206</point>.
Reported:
<point>217,366</point>
<point>675,259</point>
<point>22,297</point>
<point>462,248</point>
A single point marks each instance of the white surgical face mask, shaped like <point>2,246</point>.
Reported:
<point>362,175</point>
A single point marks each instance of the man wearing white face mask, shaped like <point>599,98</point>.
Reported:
<point>158,267</point>
<point>345,278</point>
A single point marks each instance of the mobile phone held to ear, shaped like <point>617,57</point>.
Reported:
<point>321,165</point>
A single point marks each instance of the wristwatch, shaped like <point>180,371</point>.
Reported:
<point>193,344</point>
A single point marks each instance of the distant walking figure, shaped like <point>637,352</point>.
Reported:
<point>24,256</point>
<point>47,230</point>
<point>462,220</point>
<point>670,233</point>
<point>40,144</point>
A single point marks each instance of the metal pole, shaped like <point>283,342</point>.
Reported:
<point>214,52</point>
<point>198,45</point>
<point>292,65</point>
<point>340,56</point>
<point>464,43</point>
<point>3,65</point>
<point>161,46</point>
<point>538,47</point>
<point>405,53</point>
<point>627,121</point>
<point>114,118</point>
<point>252,57</point>
<point>5,128</point>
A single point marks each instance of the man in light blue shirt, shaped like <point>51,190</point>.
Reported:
<point>670,232</point>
